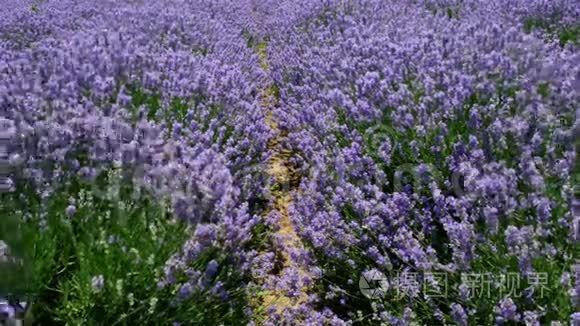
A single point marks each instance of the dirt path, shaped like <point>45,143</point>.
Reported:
<point>285,184</point>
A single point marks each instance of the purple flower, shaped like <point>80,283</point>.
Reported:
<point>507,310</point>
<point>185,291</point>
<point>575,318</point>
<point>211,269</point>
<point>71,210</point>
<point>6,310</point>
<point>531,318</point>
<point>459,315</point>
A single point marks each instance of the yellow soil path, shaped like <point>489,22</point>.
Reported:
<point>280,171</point>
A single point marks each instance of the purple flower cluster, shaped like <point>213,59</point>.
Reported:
<point>171,101</point>
<point>428,136</point>
<point>479,112</point>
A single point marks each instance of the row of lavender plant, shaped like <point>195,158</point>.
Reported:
<point>165,96</point>
<point>552,20</point>
<point>432,148</point>
<point>162,95</point>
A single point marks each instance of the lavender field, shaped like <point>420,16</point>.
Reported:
<point>289,162</point>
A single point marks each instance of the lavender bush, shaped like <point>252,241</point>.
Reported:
<point>478,114</point>
<point>290,162</point>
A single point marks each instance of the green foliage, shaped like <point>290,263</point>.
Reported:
<point>126,239</point>
<point>568,34</point>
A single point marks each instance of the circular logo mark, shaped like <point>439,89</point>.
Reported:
<point>373,284</point>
